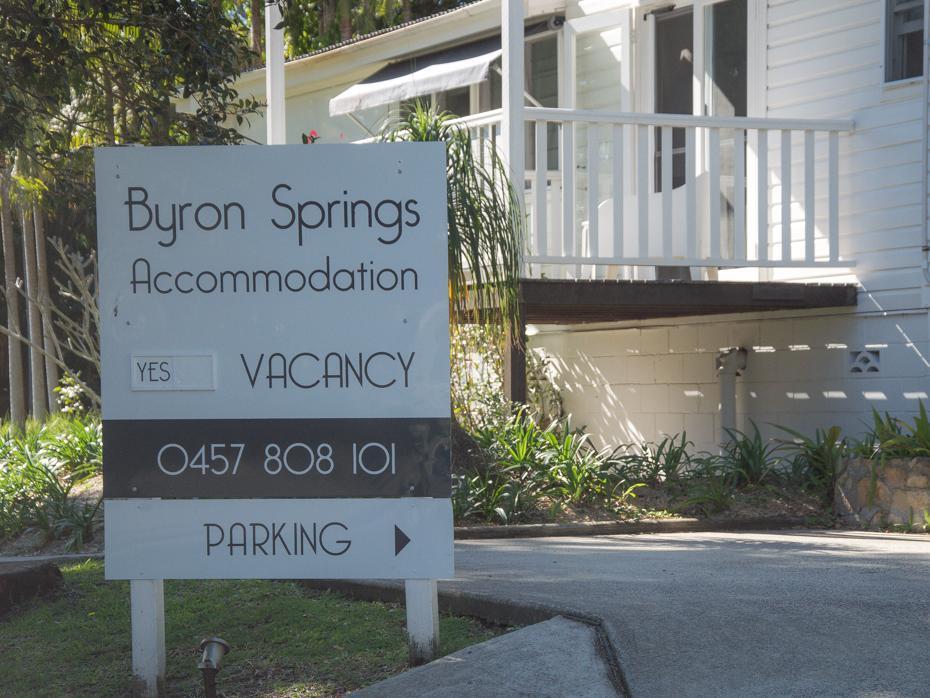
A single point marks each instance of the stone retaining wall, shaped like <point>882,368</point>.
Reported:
<point>875,494</point>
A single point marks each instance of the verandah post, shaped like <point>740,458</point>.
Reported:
<point>512,89</point>
<point>513,135</point>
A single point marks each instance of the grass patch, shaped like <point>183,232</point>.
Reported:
<point>285,641</point>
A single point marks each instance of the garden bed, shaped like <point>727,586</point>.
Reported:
<point>661,501</point>
<point>513,471</point>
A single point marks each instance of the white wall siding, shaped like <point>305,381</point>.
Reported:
<point>825,59</point>
<point>310,111</point>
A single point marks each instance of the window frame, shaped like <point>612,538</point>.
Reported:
<point>889,44</point>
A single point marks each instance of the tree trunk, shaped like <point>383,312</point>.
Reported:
<point>109,124</point>
<point>345,20</point>
<point>17,393</point>
<point>34,318</point>
<point>45,300</point>
<point>258,29</point>
<point>406,10</point>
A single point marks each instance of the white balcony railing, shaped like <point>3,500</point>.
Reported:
<point>631,189</point>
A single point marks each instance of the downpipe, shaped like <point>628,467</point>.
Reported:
<point>730,364</point>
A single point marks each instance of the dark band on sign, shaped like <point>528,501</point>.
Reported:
<point>275,458</point>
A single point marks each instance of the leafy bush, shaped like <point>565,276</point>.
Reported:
<point>884,428</point>
<point>40,469</point>
<point>72,398</point>
<point>892,437</point>
<point>750,458</point>
<point>577,473</point>
<point>712,493</point>
<point>653,462</point>
<point>912,440</point>
<point>529,464</point>
<point>478,380</point>
<point>816,461</point>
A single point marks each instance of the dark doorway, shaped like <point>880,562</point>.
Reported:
<point>727,59</point>
<point>673,79</point>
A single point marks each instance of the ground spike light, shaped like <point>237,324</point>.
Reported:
<point>214,649</point>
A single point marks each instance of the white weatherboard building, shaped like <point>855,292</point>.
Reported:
<point>700,176</point>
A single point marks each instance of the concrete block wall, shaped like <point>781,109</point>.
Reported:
<point>638,383</point>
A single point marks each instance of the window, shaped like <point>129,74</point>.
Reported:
<point>457,101</point>
<point>541,80</point>
<point>904,38</point>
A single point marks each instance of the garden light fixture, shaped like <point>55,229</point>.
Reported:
<point>214,649</point>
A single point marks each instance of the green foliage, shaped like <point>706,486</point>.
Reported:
<point>484,222</point>
<point>312,25</point>
<point>654,462</point>
<point>72,398</point>
<point>478,382</point>
<point>105,70</point>
<point>477,376</point>
<point>884,428</point>
<point>577,473</point>
<point>892,437</point>
<point>711,494</point>
<point>529,464</point>
<point>816,461</point>
<point>912,441</point>
<point>41,467</point>
<point>542,395</point>
<point>749,457</point>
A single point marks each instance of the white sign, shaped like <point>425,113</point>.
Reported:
<point>317,276</point>
<point>275,352</point>
<point>406,538</point>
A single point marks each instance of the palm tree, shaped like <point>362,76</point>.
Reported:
<point>485,223</point>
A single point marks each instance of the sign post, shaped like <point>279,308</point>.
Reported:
<point>275,357</point>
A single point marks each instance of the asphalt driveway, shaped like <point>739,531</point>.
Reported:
<point>792,613</point>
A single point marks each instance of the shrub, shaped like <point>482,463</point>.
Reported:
<point>892,437</point>
<point>528,464</point>
<point>749,457</point>
<point>816,461</point>
<point>577,473</point>
<point>712,493</point>
<point>884,428</point>
<point>653,462</point>
<point>912,440</point>
<point>40,467</point>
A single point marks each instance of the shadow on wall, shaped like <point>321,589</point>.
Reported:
<point>640,384</point>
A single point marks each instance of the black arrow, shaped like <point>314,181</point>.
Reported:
<point>400,540</point>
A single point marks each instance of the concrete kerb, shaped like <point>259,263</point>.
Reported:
<point>607,528</point>
<point>489,609</point>
<point>62,559</point>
